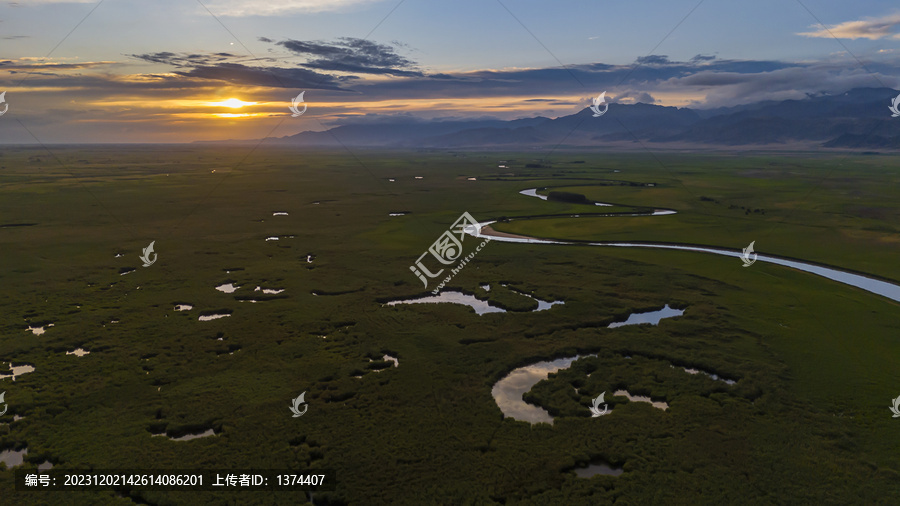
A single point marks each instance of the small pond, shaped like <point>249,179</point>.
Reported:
<point>480,306</point>
<point>207,318</point>
<point>39,330</point>
<point>188,437</point>
<point>509,390</point>
<point>595,469</point>
<point>227,288</point>
<point>640,398</point>
<point>13,458</point>
<point>651,317</point>
<point>711,375</point>
<point>271,291</point>
<point>17,370</point>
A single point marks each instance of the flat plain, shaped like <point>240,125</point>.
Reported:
<point>814,361</point>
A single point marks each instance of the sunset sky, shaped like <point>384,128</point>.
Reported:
<point>184,70</point>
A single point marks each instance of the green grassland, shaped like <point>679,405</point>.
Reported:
<point>806,422</point>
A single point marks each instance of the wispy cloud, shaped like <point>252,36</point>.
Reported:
<point>34,64</point>
<point>728,88</point>
<point>654,59</point>
<point>242,8</point>
<point>21,3</point>
<point>352,55</point>
<point>328,65</point>
<point>867,28</point>
<point>225,67</point>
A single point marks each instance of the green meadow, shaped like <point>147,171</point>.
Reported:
<point>807,421</point>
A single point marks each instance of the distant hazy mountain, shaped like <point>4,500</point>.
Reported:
<point>857,119</point>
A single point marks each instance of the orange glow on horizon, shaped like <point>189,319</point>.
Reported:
<point>234,103</point>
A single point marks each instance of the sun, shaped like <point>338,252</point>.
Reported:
<point>234,103</point>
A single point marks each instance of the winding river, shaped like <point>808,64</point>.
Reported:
<point>878,287</point>
<point>508,392</point>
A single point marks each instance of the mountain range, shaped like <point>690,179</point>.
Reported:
<point>857,119</point>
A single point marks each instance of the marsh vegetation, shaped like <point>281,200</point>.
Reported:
<point>811,361</point>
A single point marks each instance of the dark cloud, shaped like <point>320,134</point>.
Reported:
<point>723,88</point>
<point>718,82</point>
<point>353,55</point>
<point>597,67</point>
<point>345,62</point>
<point>33,66</point>
<point>653,59</point>
<point>703,57</point>
<point>636,97</point>
<point>219,67</point>
<point>190,60</point>
<point>163,57</point>
<point>235,73</point>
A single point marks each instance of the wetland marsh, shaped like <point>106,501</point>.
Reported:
<point>770,372</point>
